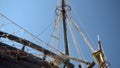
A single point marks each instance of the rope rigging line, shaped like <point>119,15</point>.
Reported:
<point>29,33</point>
<point>76,13</point>
<point>44,29</point>
<point>84,37</point>
<point>56,32</point>
<point>73,36</point>
<point>74,40</point>
<point>79,50</point>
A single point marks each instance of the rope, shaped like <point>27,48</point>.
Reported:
<point>84,37</point>
<point>56,32</point>
<point>44,30</point>
<point>76,13</point>
<point>79,50</point>
<point>29,33</point>
<point>74,39</point>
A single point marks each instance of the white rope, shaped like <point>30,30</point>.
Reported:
<point>44,30</point>
<point>74,39</point>
<point>79,50</point>
<point>55,36</point>
<point>84,37</point>
<point>76,13</point>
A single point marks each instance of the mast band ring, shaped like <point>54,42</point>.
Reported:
<point>59,8</point>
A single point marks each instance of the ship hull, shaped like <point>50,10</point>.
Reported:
<point>15,60</point>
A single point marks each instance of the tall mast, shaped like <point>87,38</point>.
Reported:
<point>65,27</point>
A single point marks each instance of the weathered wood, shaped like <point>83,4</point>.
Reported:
<point>35,46</point>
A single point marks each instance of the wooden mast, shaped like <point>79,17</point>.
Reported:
<point>65,27</point>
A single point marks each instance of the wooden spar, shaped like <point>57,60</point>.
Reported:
<point>35,46</point>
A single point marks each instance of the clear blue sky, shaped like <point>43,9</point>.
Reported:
<point>98,17</point>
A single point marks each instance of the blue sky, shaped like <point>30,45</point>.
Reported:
<point>98,17</point>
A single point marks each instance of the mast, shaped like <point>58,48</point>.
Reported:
<point>63,10</point>
<point>65,27</point>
